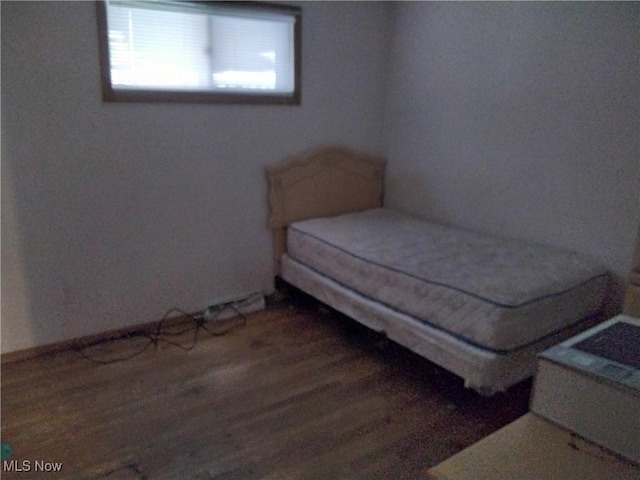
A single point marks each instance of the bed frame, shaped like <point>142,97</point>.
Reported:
<point>332,180</point>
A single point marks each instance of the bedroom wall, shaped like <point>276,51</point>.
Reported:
<point>114,213</point>
<point>520,119</point>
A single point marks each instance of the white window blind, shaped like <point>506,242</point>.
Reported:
<point>200,47</point>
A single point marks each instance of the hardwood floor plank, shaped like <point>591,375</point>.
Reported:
<point>299,391</point>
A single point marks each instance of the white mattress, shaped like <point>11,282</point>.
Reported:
<point>496,294</point>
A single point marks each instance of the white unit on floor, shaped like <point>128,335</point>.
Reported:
<point>590,384</point>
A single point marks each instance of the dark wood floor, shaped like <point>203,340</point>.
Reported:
<point>297,392</point>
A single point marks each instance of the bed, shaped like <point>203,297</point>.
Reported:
<point>478,305</point>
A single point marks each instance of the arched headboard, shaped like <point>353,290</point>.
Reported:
<point>325,181</point>
<point>632,296</point>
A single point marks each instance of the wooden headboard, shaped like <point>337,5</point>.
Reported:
<point>632,294</point>
<point>322,182</point>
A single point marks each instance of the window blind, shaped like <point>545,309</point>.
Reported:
<point>188,46</point>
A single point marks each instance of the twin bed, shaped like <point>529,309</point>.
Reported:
<point>477,305</point>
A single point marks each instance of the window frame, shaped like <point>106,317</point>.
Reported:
<point>111,94</point>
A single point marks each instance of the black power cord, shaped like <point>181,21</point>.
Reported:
<point>160,334</point>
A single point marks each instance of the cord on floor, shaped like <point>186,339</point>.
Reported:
<point>161,334</point>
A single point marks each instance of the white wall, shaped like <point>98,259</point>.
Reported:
<point>521,119</point>
<point>113,213</point>
<point>516,118</point>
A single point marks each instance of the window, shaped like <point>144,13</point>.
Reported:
<point>183,51</point>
